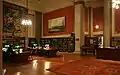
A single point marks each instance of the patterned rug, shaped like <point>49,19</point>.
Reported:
<point>87,67</point>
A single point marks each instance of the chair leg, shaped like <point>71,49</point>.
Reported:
<point>85,51</point>
<point>94,52</point>
<point>82,52</point>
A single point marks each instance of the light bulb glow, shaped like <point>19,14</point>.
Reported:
<point>26,22</point>
<point>97,26</point>
<point>115,4</point>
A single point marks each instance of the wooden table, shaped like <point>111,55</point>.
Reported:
<point>47,53</point>
<point>50,53</point>
<point>108,53</point>
<point>21,57</point>
<point>43,52</point>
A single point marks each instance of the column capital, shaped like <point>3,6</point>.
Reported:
<point>79,2</point>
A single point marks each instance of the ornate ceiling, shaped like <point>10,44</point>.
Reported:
<point>33,4</point>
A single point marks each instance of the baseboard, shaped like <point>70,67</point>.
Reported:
<point>76,52</point>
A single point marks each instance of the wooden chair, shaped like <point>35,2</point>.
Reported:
<point>91,43</point>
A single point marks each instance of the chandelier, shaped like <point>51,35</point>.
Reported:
<point>115,4</point>
<point>26,19</point>
<point>26,22</point>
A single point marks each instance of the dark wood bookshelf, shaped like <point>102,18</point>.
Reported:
<point>14,41</point>
<point>62,44</point>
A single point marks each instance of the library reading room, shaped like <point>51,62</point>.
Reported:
<point>59,37</point>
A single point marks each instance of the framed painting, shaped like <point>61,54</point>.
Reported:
<point>56,25</point>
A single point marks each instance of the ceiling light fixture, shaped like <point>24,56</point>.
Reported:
<point>115,4</point>
<point>26,19</point>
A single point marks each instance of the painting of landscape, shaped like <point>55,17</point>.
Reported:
<point>56,25</point>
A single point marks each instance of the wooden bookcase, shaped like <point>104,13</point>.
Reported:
<point>62,44</point>
<point>32,41</point>
<point>14,41</point>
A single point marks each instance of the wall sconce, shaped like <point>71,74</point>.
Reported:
<point>97,26</point>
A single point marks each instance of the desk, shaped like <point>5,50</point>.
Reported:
<point>43,52</point>
<point>21,57</point>
<point>108,53</point>
<point>50,53</point>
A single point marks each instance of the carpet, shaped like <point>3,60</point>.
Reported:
<point>87,67</point>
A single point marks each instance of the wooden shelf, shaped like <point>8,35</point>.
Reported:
<point>16,40</point>
<point>64,44</point>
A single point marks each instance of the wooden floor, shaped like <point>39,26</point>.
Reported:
<point>39,65</point>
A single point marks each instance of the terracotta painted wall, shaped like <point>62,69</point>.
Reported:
<point>68,12</point>
<point>86,20</point>
<point>117,20</point>
<point>98,18</point>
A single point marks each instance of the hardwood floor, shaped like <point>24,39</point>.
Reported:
<point>39,65</point>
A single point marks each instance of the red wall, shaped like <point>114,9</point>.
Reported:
<point>117,20</point>
<point>86,20</point>
<point>98,18</point>
<point>68,12</point>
